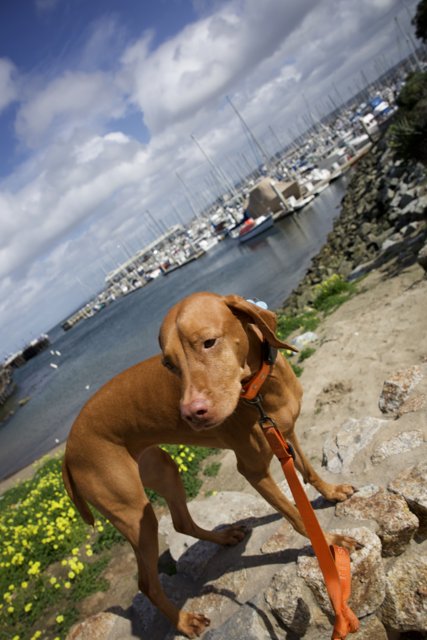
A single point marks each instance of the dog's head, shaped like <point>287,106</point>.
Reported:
<point>213,343</point>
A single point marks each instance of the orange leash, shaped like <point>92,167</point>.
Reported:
<point>334,561</point>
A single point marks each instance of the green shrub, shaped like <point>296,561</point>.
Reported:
<point>331,293</point>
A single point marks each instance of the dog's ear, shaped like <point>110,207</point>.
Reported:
<point>264,319</point>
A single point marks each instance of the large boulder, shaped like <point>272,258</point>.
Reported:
<point>342,447</point>
<point>405,604</point>
<point>412,485</point>
<point>395,523</point>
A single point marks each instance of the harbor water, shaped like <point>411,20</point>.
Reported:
<point>267,267</point>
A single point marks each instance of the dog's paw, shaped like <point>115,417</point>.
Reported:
<point>339,492</point>
<point>192,624</point>
<point>231,535</point>
<point>343,541</point>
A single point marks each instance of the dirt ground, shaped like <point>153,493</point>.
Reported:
<point>378,332</point>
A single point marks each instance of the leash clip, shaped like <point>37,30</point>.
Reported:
<point>263,417</point>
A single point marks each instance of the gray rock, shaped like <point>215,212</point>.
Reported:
<point>412,485</point>
<point>402,443</point>
<point>304,339</point>
<point>405,604</point>
<point>288,599</point>
<point>341,448</point>
<point>250,622</point>
<point>370,629</point>
<point>398,387</point>
<point>422,257</point>
<point>396,524</point>
<point>102,626</point>
<point>226,507</point>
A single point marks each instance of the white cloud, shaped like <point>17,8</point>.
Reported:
<point>72,101</point>
<point>85,184</point>
<point>207,58</point>
<point>8,83</point>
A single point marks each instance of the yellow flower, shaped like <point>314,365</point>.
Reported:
<point>10,609</point>
<point>67,585</point>
<point>28,607</point>
<point>59,619</point>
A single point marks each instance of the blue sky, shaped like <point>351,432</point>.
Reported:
<point>99,98</point>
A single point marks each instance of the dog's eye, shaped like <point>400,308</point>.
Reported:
<point>168,364</point>
<point>209,343</point>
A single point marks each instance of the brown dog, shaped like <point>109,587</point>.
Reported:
<point>191,394</point>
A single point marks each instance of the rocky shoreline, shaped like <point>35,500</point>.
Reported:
<point>383,217</point>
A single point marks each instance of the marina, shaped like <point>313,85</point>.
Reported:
<point>283,186</point>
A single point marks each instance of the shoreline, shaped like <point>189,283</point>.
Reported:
<point>27,472</point>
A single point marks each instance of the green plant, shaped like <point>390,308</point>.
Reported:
<point>297,369</point>
<point>408,133</point>
<point>212,469</point>
<point>306,321</point>
<point>331,293</point>
<point>305,353</point>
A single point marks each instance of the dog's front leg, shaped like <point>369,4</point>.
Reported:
<point>259,477</point>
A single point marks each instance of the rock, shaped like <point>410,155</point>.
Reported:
<point>250,622</point>
<point>398,387</point>
<point>226,507</point>
<point>405,604</point>
<point>304,339</point>
<point>341,448</point>
<point>405,441</point>
<point>412,485</point>
<point>370,629</point>
<point>422,257</point>
<point>288,599</point>
<point>396,524</point>
<point>407,198</point>
<point>102,626</point>
<point>368,579</point>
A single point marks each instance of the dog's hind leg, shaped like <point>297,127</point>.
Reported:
<point>115,489</point>
<point>160,473</point>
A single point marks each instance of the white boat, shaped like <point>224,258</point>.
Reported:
<point>299,204</point>
<point>254,226</point>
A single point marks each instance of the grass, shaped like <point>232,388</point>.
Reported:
<point>212,470</point>
<point>50,559</point>
<point>327,297</point>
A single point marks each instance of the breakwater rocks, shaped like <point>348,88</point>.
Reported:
<point>383,217</point>
<point>7,385</point>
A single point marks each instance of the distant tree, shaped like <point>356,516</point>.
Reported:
<point>420,21</point>
<point>408,134</point>
<point>414,90</point>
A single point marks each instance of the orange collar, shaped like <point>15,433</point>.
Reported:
<point>251,388</point>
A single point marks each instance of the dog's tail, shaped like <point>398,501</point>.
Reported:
<point>75,495</point>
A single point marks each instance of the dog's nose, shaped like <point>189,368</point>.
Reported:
<point>196,410</point>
